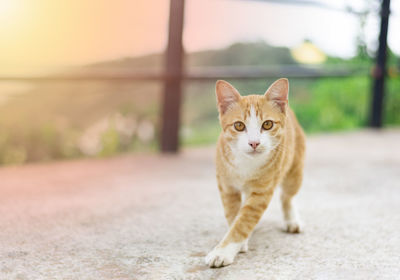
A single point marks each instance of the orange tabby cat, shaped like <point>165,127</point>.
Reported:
<point>261,145</point>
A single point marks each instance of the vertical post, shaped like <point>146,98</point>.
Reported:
<point>379,72</point>
<point>173,80</point>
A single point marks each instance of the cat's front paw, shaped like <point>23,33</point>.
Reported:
<point>219,256</point>
<point>293,227</point>
<point>245,247</point>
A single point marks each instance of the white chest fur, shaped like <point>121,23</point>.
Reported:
<point>245,168</point>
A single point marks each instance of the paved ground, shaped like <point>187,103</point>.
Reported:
<point>153,217</point>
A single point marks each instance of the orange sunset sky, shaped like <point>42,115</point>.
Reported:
<point>53,33</point>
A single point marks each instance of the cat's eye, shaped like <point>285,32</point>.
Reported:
<point>267,125</point>
<point>239,126</point>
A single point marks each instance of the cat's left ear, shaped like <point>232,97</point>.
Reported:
<point>278,93</point>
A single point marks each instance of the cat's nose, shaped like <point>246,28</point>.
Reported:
<point>254,144</point>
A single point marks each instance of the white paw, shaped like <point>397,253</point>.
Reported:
<point>293,227</point>
<point>245,247</point>
<point>219,257</point>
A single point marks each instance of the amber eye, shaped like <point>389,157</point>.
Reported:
<point>239,126</point>
<point>267,125</point>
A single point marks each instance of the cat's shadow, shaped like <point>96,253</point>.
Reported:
<point>269,235</point>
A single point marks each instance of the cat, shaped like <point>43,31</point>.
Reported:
<point>261,145</point>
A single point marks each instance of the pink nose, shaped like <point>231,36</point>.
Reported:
<point>254,144</point>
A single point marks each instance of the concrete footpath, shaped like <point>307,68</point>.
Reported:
<point>156,217</point>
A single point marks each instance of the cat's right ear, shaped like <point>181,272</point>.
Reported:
<point>227,95</point>
<point>278,93</point>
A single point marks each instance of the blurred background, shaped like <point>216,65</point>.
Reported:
<point>99,78</point>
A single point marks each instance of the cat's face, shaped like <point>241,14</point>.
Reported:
<point>252,125</point>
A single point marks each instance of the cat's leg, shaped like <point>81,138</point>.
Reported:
<point>249,215</point>
<point>290,186</point>
<point>231,200</point>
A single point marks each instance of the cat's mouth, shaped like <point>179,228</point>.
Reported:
<point>254,152</point>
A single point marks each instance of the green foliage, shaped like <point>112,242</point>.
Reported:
<point>10,153</point>
<point>392,102</point>
<point>110,141</point>
<point>333,104</point>
<point>24,143</point>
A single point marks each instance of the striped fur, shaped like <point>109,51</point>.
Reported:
<point>253,173</point>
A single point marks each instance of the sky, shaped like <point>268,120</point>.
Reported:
<point>41,34</point>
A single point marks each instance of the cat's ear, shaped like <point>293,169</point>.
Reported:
<point>278,93</point>
<point>227,95</point>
